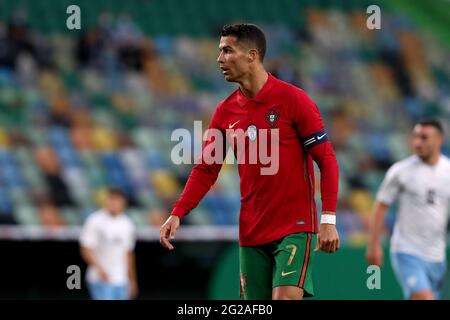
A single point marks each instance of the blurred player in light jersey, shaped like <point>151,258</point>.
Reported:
<point>421,183</point>
<point>107,245</point>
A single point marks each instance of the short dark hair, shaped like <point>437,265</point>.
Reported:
<point>245,32</point>
<point>433,123</point>
<point>114,191</point>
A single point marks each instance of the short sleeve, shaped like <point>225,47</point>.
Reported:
<point>390,187</point>
<point>89,234</point>
<point>131,239</point>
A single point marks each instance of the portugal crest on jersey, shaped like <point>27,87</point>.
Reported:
<point>272,116</point>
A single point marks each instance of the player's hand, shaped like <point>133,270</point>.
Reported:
<point>328,238</point>
<point>374,254</point>
<point>133,289</point>
<point>168,231</point>
<point>103,275</point>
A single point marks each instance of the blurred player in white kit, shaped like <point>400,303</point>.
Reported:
<point>421,184</point>
<point>107,243</point>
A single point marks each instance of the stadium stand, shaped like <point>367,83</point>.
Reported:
<point>84,110</point>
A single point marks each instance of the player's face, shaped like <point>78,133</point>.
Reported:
<point>426,141</point>
<point>115,204</point>
<point>233,59</point>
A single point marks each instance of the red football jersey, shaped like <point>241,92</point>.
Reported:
<point>279,204</point>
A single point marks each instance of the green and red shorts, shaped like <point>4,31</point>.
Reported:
<point>284,262</point>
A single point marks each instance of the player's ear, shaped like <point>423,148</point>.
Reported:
<point>252,55</point>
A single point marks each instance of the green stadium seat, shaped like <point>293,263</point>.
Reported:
<point>26,215</point>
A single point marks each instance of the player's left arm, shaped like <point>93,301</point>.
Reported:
<point>133,287</point>
<point>310,127</point>
<point>132,275</point>
<point>328,238</point>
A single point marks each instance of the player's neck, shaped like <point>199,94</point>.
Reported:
<point>114,214</point>
<point>432,160</point>
<point>253,82</point>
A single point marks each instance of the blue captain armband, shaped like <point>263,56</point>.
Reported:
<point>314,139</point>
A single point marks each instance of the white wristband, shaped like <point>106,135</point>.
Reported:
<point>328,219</point>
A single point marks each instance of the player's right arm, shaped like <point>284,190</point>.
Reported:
<point>168,230</point>
<point>387,194</point>
<point>374,254</point>
<point>201,179</point>
<point>89,257</point>
<point>88,241</point>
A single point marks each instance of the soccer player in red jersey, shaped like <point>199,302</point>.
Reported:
<point>278,222</point>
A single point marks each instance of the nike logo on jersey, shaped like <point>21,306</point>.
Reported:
<point>283,274</point>
<point>320,137</point>
<point>230,126</point>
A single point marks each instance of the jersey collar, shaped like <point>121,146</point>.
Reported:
<point>261,97</point>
